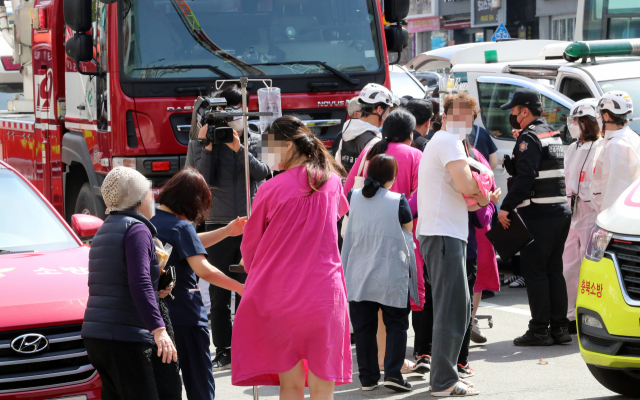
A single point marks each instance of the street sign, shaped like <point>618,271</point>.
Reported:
<point>501,33</point>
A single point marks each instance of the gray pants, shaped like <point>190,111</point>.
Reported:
<point>445,259</point>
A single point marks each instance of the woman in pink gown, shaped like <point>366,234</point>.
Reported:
<point>292,327</point>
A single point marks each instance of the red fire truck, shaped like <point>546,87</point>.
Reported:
<point>113,82</point>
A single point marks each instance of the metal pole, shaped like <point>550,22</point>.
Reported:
<point>245,124</point>
<point>245,131</point>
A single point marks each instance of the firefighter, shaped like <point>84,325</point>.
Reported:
<point>537,191</point>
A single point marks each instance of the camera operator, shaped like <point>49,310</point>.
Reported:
<point>222,165</point>
<point>233,95</point>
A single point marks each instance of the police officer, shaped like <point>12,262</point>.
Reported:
<point>537,191</point>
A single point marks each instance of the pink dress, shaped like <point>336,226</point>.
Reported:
<point>294,305</point>
<point>408,159</point>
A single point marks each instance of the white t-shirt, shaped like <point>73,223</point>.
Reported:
<point>442,210</point>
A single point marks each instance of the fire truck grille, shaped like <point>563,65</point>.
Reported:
<point>63,362</point>
<point>628,255</point>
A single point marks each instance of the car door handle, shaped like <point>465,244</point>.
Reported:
<point>183,128</point>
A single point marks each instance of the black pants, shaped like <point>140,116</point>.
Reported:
<point>542,271</point>
<point>424,320</point>
<point>192,343</point>
<point>167,376</point>
<point>364,318</point>
<point>125,369</point>
<point>221,255</point>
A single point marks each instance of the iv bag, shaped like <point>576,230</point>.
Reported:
<point>269,101</point>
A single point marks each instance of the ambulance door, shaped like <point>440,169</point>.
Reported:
<point>496,90</point>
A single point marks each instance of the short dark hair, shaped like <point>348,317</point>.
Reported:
<point>397,128</point>
<point>535,111</point>
<point>382,169</point>
<point>188,194</point>
<point>421,109</point>
<point>233,95</point>
<point>591,130</point>
<point>618,119</point>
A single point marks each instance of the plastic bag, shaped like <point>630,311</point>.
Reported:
<point>163,252</point>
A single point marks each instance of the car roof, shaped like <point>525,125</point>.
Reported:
<point>606,69</point>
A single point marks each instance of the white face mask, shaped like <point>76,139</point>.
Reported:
<point>237,125</point>
<point>458,128</point>
<point>574,130</point>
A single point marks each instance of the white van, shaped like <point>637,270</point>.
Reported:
<point>491,72</point>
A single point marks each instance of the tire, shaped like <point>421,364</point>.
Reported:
<point>85,202</point>
<point>616,380</point>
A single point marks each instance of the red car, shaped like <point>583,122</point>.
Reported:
<point>43,295</point>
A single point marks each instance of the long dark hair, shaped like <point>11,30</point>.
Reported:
<point>319,164</point>
<point>397,128</point>
<point>188,194</point>
<point>382,169</point>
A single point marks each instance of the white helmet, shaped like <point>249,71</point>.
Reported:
<point>373,93</point>
<point>582,108</point>
<point>616,101</point>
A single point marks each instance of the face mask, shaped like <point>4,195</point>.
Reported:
<point>459,128</point>
<point>513,120</point>
<point>237,125</point>
<point>574,130</point>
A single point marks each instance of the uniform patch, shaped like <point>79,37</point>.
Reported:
<point>523,146</point>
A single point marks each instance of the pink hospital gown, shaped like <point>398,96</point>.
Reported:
<point>294,305</point>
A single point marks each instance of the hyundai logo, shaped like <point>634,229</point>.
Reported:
<point>29,343</point>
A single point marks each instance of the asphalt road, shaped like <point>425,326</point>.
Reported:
<point>503,371</point>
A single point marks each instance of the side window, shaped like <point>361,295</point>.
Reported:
<point>496,121</point>
<point>100,42</point>
<point>575,89</point>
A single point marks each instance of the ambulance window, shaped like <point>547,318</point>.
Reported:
<point>496,121</point>
<point>574,89</point>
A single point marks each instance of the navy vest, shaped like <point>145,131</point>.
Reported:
<point>111,313</point>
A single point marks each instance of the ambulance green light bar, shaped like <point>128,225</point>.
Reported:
<point>603,48</point>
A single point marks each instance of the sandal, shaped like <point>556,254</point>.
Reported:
<point>408,367</point>
<point>459,390</point>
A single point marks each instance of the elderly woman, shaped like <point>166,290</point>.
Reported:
<point>122,319</point>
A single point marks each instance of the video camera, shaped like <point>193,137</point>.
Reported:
<point>212,112</point>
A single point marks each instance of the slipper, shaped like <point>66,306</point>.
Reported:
<point>459,390</point>
<point>408,367</point>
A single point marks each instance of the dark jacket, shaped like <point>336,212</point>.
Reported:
<point>538,149</point>
<point>227,169</point>
<point>111,312</point>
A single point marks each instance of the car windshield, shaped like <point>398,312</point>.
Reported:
<point>26,222</point>
<point>223,38</point>
<point>631,86</point>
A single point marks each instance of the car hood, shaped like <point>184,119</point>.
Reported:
<point>623,217</point>
<point>39,289</point>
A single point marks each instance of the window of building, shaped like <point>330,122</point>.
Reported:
<point>562,28</point>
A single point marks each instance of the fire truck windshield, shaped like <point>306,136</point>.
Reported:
<point>173,39</point>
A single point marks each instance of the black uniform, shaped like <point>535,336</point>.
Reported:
<point>537,191</point>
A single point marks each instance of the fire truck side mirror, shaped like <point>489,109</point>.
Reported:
<point>397,38</point>
<point>77,14</point>
<point>79,48</point>
<point>396,10</point>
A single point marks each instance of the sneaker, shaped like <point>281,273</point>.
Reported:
<point>560,335</point>
<point>518,283</point>
<point>399,385</point>
<point>476,334</point>
<point>508,281</point>
<point>533,339</point>
<point>368,388</point>
<point>465,371</point>
<point>222,362</point>
<point>423,365</point>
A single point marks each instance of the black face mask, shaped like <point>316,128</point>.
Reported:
<point>513,120</point>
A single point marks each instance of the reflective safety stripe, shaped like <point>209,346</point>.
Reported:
<point>555,173</point>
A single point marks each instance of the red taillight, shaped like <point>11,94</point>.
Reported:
<point>7,63</point>
<point>327,144</point>
<point>159,166</point>
<point>42,18</point>
<point>621,241</point>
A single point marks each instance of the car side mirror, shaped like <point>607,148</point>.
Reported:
<point>396,10</point>
<point>79,48</point>
<point>77,14</point>
<point>85,225</point>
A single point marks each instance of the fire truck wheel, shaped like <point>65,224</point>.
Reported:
<point>85,201</point>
